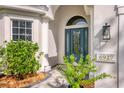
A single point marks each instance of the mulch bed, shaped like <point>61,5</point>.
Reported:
<point>91,85</point>
<point>13,82</point>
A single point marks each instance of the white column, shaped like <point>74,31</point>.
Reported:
<point>92,31</point>
<point>1,29</point>
<point>35,31</point>
<point>91,34</point>
<point>7,28</point>
<point>44,44</point>
<point>121,46</point>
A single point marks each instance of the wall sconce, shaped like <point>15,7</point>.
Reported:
<point>106,32</point>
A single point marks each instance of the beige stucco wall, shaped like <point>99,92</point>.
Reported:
<point>103,14</point>
<point>53,43</point>
<point>62,16</point>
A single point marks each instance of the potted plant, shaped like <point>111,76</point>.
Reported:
<point>76,72</point>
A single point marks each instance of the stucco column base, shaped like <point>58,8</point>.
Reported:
<point>45,65</point>
<point>46,69</point>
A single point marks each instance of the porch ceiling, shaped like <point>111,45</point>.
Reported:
<point>87,8</point>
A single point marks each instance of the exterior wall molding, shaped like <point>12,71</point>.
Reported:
<point>41,7</point>
<point>23,8</point>
<point>40,11</point>
<point>120,10</point>
<point>19,13</point>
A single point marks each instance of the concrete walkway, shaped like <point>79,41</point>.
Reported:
<point>56,80</point>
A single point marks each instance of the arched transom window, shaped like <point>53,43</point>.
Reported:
<point>76,20</point>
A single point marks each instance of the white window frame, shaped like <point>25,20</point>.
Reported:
<point>17,19</point>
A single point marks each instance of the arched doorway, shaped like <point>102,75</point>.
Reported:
<point>76,37</point>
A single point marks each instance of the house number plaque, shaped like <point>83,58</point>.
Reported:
<point>106,57</point>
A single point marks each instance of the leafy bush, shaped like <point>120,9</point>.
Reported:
<point>76,72</point>
<point>20,58</point>
<point>2,57</point>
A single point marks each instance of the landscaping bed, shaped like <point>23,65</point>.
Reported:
<point>13,82</point>
<point>91,85</point>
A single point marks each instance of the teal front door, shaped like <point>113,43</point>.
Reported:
<point>76,42</point>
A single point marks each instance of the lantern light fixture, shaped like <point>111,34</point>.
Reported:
<point>106,32</point>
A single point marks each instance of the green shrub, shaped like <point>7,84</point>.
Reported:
<point>20,58</point>
<point>2,57</point>
<point>76,72</point>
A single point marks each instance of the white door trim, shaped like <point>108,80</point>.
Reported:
<point>76,26</point>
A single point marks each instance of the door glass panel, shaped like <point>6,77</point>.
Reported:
<point>76,42</point>
<point>86,42</point>
<point>68,42</point>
